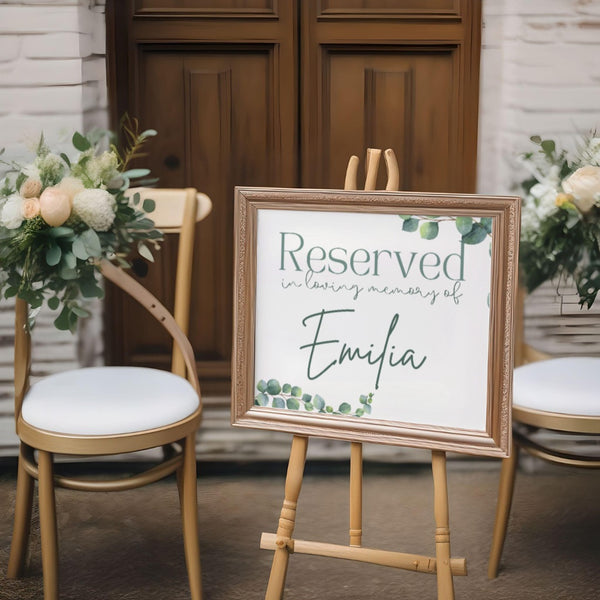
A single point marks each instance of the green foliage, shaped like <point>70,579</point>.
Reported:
<point>272,393</point>
<point>410,224</point>
<point>564,246</point>
<point>59,265</point>
<point>472,230</point>
<point>429,230</point>
<point>560,236</point>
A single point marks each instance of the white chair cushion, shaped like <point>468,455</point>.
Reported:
<point>108,401</point>
<point>561,385</point>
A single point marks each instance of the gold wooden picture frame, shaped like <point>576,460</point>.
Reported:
<point>382,317</point>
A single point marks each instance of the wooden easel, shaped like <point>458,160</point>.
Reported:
<point>282,542</point>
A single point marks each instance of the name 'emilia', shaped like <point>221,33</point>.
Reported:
<point>320,361</point>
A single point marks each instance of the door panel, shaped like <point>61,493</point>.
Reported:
<point>390,99</point>
<point>394,82</point>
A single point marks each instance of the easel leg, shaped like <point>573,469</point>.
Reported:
<point>445,583</point>
<point>356,484</point>
<point>287,520</point>
<point>505,495</point>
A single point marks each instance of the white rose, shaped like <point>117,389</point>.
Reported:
<point>12,212</point>
<point>584,186</point>
<point>96,208</point>
<point>32,171</point>
<point>545,196</point>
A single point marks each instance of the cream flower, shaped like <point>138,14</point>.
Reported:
<point>545,199</point>
<point>584,186</point>
<point>95,208</point>
<point>31,208</point>
<point>71,186</point>
<point>31,171</point>
<point>55,206</point>
<point>530,220</point>
<point>12,212</point>
<point>31,188</point>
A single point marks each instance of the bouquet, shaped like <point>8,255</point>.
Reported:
<point>560,227</point>
<point>59,216</point>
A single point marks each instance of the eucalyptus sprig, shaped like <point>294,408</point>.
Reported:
<point>134,140</point>
<point>272,393</point>
<point>472,230</point>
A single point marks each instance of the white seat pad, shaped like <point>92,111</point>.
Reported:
<point>562,385</point>
<point>108,400</point>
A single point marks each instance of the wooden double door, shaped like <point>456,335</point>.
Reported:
<point>281,93</point>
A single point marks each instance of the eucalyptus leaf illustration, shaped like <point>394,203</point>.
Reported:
<point>477,234</point>
<point>464,224</point>
<point>472,230</point>
<point>410,225</point>
<point>429,230</point>
<point>272,393</point>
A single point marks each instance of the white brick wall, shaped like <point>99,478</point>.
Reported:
<point>52,71</point>
<point>540,74</point>
<point>52,79</point>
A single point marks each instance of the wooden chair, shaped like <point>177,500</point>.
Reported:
<point>113,410</point>
<point>556,394</point>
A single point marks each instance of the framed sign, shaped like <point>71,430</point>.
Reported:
<point>380,317</point>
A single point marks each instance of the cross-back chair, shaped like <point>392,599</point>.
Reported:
<point>113,410</point>
<point>555,394</point>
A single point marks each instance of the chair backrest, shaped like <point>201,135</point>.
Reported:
<point>177,211</point>
<point>138,292</point>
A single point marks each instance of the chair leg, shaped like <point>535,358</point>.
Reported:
<point>189,509</point>
<point>48,525</point>
<point>505,495</point>
<point>22,524</point>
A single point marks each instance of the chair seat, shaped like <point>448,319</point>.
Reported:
<point>560,385</point>
<point>108,401</point>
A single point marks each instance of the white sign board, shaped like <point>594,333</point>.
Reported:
<point>373,316</point>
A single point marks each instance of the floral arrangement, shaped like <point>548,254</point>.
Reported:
<point>60,215</point>
<point>560,231</point>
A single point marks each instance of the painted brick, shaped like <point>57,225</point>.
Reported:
<point>558,98</point>
<point>57,45</point>
<point>583,32</point>
<point>25,130</point>
<point>541,7</point>
<point>492,32</point>
<point>90,96</point>
<point>38,19</point>
<point>42,100</point>
<point>536,55</point>
<point>97,118</point>
<point>542,30</point>
<point>10,47</point>
<point>566,122</point>
<point>99,35</point>
<point>94,68</point>
<point>548,75</point>
<point>41,72</point>
<point>38,2</point>
<point>588,7</point>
